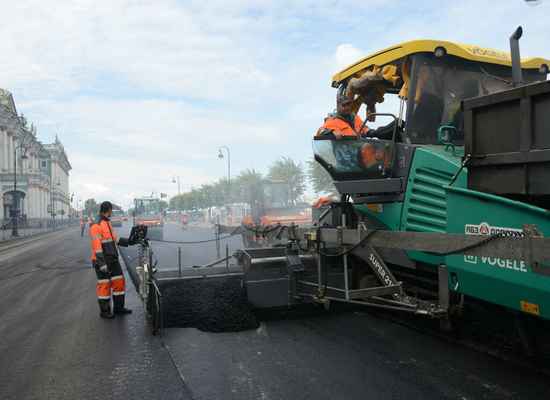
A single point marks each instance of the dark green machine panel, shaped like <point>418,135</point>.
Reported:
<point>511,283</point>
<point>431,205</point>
<point>425,208</point>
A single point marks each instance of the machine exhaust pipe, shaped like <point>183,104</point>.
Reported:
<point>517,78</point>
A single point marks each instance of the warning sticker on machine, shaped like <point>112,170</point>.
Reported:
<point>485,229</point>
<point>529,307</point>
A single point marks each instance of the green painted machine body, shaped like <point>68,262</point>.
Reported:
<point>432,204</point>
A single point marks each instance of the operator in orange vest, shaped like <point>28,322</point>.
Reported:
<point>105,261</point>
<point>344,123</point>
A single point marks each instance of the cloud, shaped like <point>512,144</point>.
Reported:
<point>120,180</point>
<point>347,54</point>
<point>140,90</point>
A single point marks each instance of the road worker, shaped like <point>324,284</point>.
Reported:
<point>322,202</point>
<point>105,261</point>
<point>344,123</point>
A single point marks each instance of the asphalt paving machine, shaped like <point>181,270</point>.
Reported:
<point>451,199</point>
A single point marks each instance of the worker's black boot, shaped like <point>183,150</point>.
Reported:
<point>105,309</point>
<point>118,305</point>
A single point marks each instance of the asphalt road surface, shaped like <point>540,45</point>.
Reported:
<point>166,254</point>
<point>54,346</point>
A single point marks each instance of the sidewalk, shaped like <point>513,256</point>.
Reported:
<point>6,234</point>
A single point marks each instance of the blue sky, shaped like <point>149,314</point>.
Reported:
<point>141,91</point>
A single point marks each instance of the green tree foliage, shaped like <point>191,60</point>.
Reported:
<point>319,178</point>
<point>163,205</point>
<point>288,171</point>
<point>91,207</point>
<point>247,187</point>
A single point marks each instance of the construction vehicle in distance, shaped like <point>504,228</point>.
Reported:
<point>148,212</point>
<point>271,203</point>
<point>448,202</point>
<point>276,206</point>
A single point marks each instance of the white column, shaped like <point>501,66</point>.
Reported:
<point>9,153</point>
<point>40,203</point>
<point>37,202</point>
<point>44,203</point>
<point>31,194</point>
<point>3,146</point>
<point>12,150</point>
<point>5,150</point>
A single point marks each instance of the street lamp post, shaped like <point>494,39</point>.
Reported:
<point>15,197</point>
<point>177,179</point>
<point>57,184</point>
<point>52,201</point>
<point>220,156</point>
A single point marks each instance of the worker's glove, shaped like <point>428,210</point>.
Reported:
<point>103,268</point>
<point>124,242</point>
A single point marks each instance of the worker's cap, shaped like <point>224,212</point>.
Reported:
<point>105,207</point>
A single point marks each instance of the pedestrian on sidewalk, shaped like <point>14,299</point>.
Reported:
<point>82,226</point>
<point>110,279</point>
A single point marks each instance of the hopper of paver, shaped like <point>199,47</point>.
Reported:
<point>271,275</point>
<point>221,296</point>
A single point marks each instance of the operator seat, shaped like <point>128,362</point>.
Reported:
<point>426,119</point>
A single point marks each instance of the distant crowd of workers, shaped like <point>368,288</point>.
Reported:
<point>111,285</point>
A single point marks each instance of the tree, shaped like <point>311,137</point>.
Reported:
<point>248,187</point>
<point>91,207</point>
<point>290,172</point>
<point>163,205</point>
<point>319,177</point>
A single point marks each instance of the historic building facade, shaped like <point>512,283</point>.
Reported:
<point>34,177</point>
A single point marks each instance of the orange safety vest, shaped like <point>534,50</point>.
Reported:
<point>104,241</point>
<point>97,249</point>
<point>247,220</point>
<point>104,249</point>
<point>343,127</point>
<point>322,201</point>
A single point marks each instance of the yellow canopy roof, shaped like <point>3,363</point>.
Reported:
<point>466,51</point>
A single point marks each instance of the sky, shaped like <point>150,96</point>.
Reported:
<point>142,91</point>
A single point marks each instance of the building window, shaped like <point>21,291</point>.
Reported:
<point>44,164</point>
